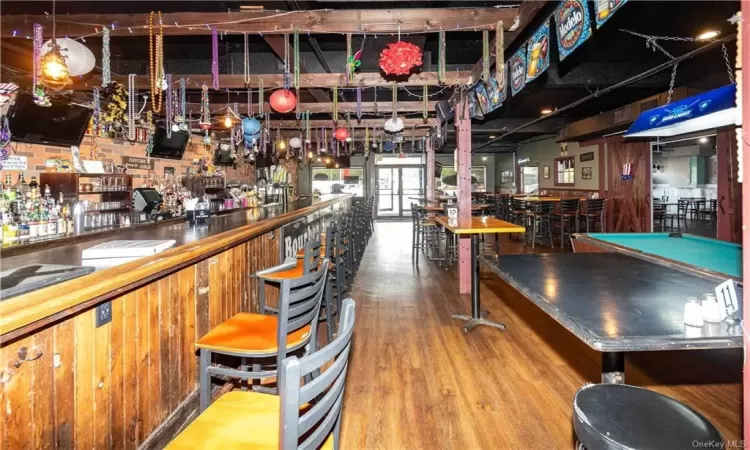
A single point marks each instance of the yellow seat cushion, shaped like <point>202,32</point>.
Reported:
<point>237,419</point>
<point>250,333</point>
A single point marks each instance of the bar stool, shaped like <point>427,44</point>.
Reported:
<point>309,261</point>
<point>568,218</point>
<point>540,217</point>
<point>517,213</point>
<point>618,416</point>
<point>262,337</point>
<point>594,213</point>
<point>422,229</point>
<point>253,420</point>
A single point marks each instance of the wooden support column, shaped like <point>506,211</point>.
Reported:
<point>729,190</point>
<point>430,171</point>
<point>744,46</point>
<point>463,150</point>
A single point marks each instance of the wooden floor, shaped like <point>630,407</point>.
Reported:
<point>416,381</point>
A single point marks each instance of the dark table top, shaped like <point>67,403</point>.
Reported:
<point>615,303</point>
<point>181,232</point>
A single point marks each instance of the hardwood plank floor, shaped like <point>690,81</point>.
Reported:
<point>416,381</point>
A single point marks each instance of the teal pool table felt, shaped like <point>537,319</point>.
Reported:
<point>709,254</point>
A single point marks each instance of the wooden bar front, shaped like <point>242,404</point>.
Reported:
<point>64,383</point>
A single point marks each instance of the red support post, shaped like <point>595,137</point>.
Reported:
<point>744,45</point>
<point>430,170</point>
<point>463,152</point>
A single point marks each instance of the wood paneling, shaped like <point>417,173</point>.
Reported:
<point>729,190</point>
<point>629,204</point>
<point>112,386</point>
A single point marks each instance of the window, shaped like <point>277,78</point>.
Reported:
<point>565,171</point>
<point>448,180</point>
<point>346,181</point>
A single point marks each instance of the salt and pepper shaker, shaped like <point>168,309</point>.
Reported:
<point>693,312</point>
<point>711,308</point>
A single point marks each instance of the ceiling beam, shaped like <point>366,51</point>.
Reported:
<point>276,42</point>
<point>374,124</point>
<point>526,13</point>
<point>359,134</point>
<point>307,80</point>
<point>267,22</point>
<point>327,107</point>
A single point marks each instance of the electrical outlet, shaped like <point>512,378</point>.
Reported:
<point>103,314</point>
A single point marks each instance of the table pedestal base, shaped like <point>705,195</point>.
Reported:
<point>613,368</point>
<point>471,322</point>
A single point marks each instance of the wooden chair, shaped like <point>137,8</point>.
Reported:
<point>303,416</point>
<point>261,337</point>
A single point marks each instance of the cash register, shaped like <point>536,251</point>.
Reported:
<point>147,203</point>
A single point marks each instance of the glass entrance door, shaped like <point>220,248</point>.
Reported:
<point>395,187</point>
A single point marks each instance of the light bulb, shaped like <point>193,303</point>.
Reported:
<point>337,165</point>
<point>228,121</point>
<point>282,145</point>
<point>310,155</point>
<point>54,69</point>
<point>709,34</point>
<point>319,159</point>
<point>328,160</point>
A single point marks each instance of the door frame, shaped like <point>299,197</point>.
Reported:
<point>399,194</point>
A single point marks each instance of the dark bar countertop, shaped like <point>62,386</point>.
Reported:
<point>21,313</point>
<point>182,232</point>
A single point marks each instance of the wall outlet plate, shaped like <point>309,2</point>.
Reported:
<point>103,314</point>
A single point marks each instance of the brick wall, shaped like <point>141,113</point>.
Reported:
<point>109,150</point>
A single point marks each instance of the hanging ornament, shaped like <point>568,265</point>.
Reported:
<point>215,58</point>
<point>5,139</point>
<point>394,99</point>
<point>353,61</point>
<point>5,90</point>
<point>156,61</point>
<point>169,119</point>
<point>287,68</point>
<point>485,55</point>
<point>367,140</point>
<point>375,99</point>
<point>54,73</point>
<point>106,73</point>
<point>261,101</point>
<point>36,49</point>
<point>283,100</point>
<point>307,127</point>
<point>400,58</point>
<point>359,102</point>
<point>131,107</point>
<point>394,125</point>
<point>296,60</point>
<point>246,63</point>
<point>335,103</point>
<point>341,134</point>
<point>424,102</point>
<point>205,120</point>
<point>97,114</point>
<point>441,57</point>
<point>295,143</point>
<point>500,54</point>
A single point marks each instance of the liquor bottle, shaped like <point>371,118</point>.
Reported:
<point>33,224</point>
<point>51,222</point>
<point>23,227</point>
<point>10,230</point>
<point>69,226</point>
<point>42,221</point>
<point>33,184</point>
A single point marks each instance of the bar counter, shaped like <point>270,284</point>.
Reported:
<point>66,382</point>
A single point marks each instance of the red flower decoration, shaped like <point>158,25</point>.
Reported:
<point>400,58</point>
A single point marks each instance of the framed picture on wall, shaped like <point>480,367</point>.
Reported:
<point>587,173</point>
<point>546,172</point>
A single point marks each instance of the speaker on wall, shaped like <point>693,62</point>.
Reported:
<point>444,111</point>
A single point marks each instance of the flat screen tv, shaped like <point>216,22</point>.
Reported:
<point>223,155</point>
<point>172,147</point>
<point>61,124</point>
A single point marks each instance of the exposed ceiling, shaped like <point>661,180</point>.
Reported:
<point>608,57</point>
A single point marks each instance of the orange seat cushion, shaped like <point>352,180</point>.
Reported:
<point>237,419</point>
<point>250,333</point>
<point>288,274</point>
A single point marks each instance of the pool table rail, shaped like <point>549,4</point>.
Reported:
<point>585,243</point>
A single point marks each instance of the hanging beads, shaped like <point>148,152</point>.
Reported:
<point>106,73</point>
<point>215,58</point>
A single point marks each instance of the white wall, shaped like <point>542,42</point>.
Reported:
<point>542,152</point>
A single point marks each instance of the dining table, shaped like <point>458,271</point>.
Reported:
<point>475,227</point>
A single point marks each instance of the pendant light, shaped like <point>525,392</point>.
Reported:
<point>55,74</point>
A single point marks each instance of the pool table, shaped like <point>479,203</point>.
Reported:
<point>705,257</point>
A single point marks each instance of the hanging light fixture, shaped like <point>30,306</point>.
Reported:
<point>55,74</point>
